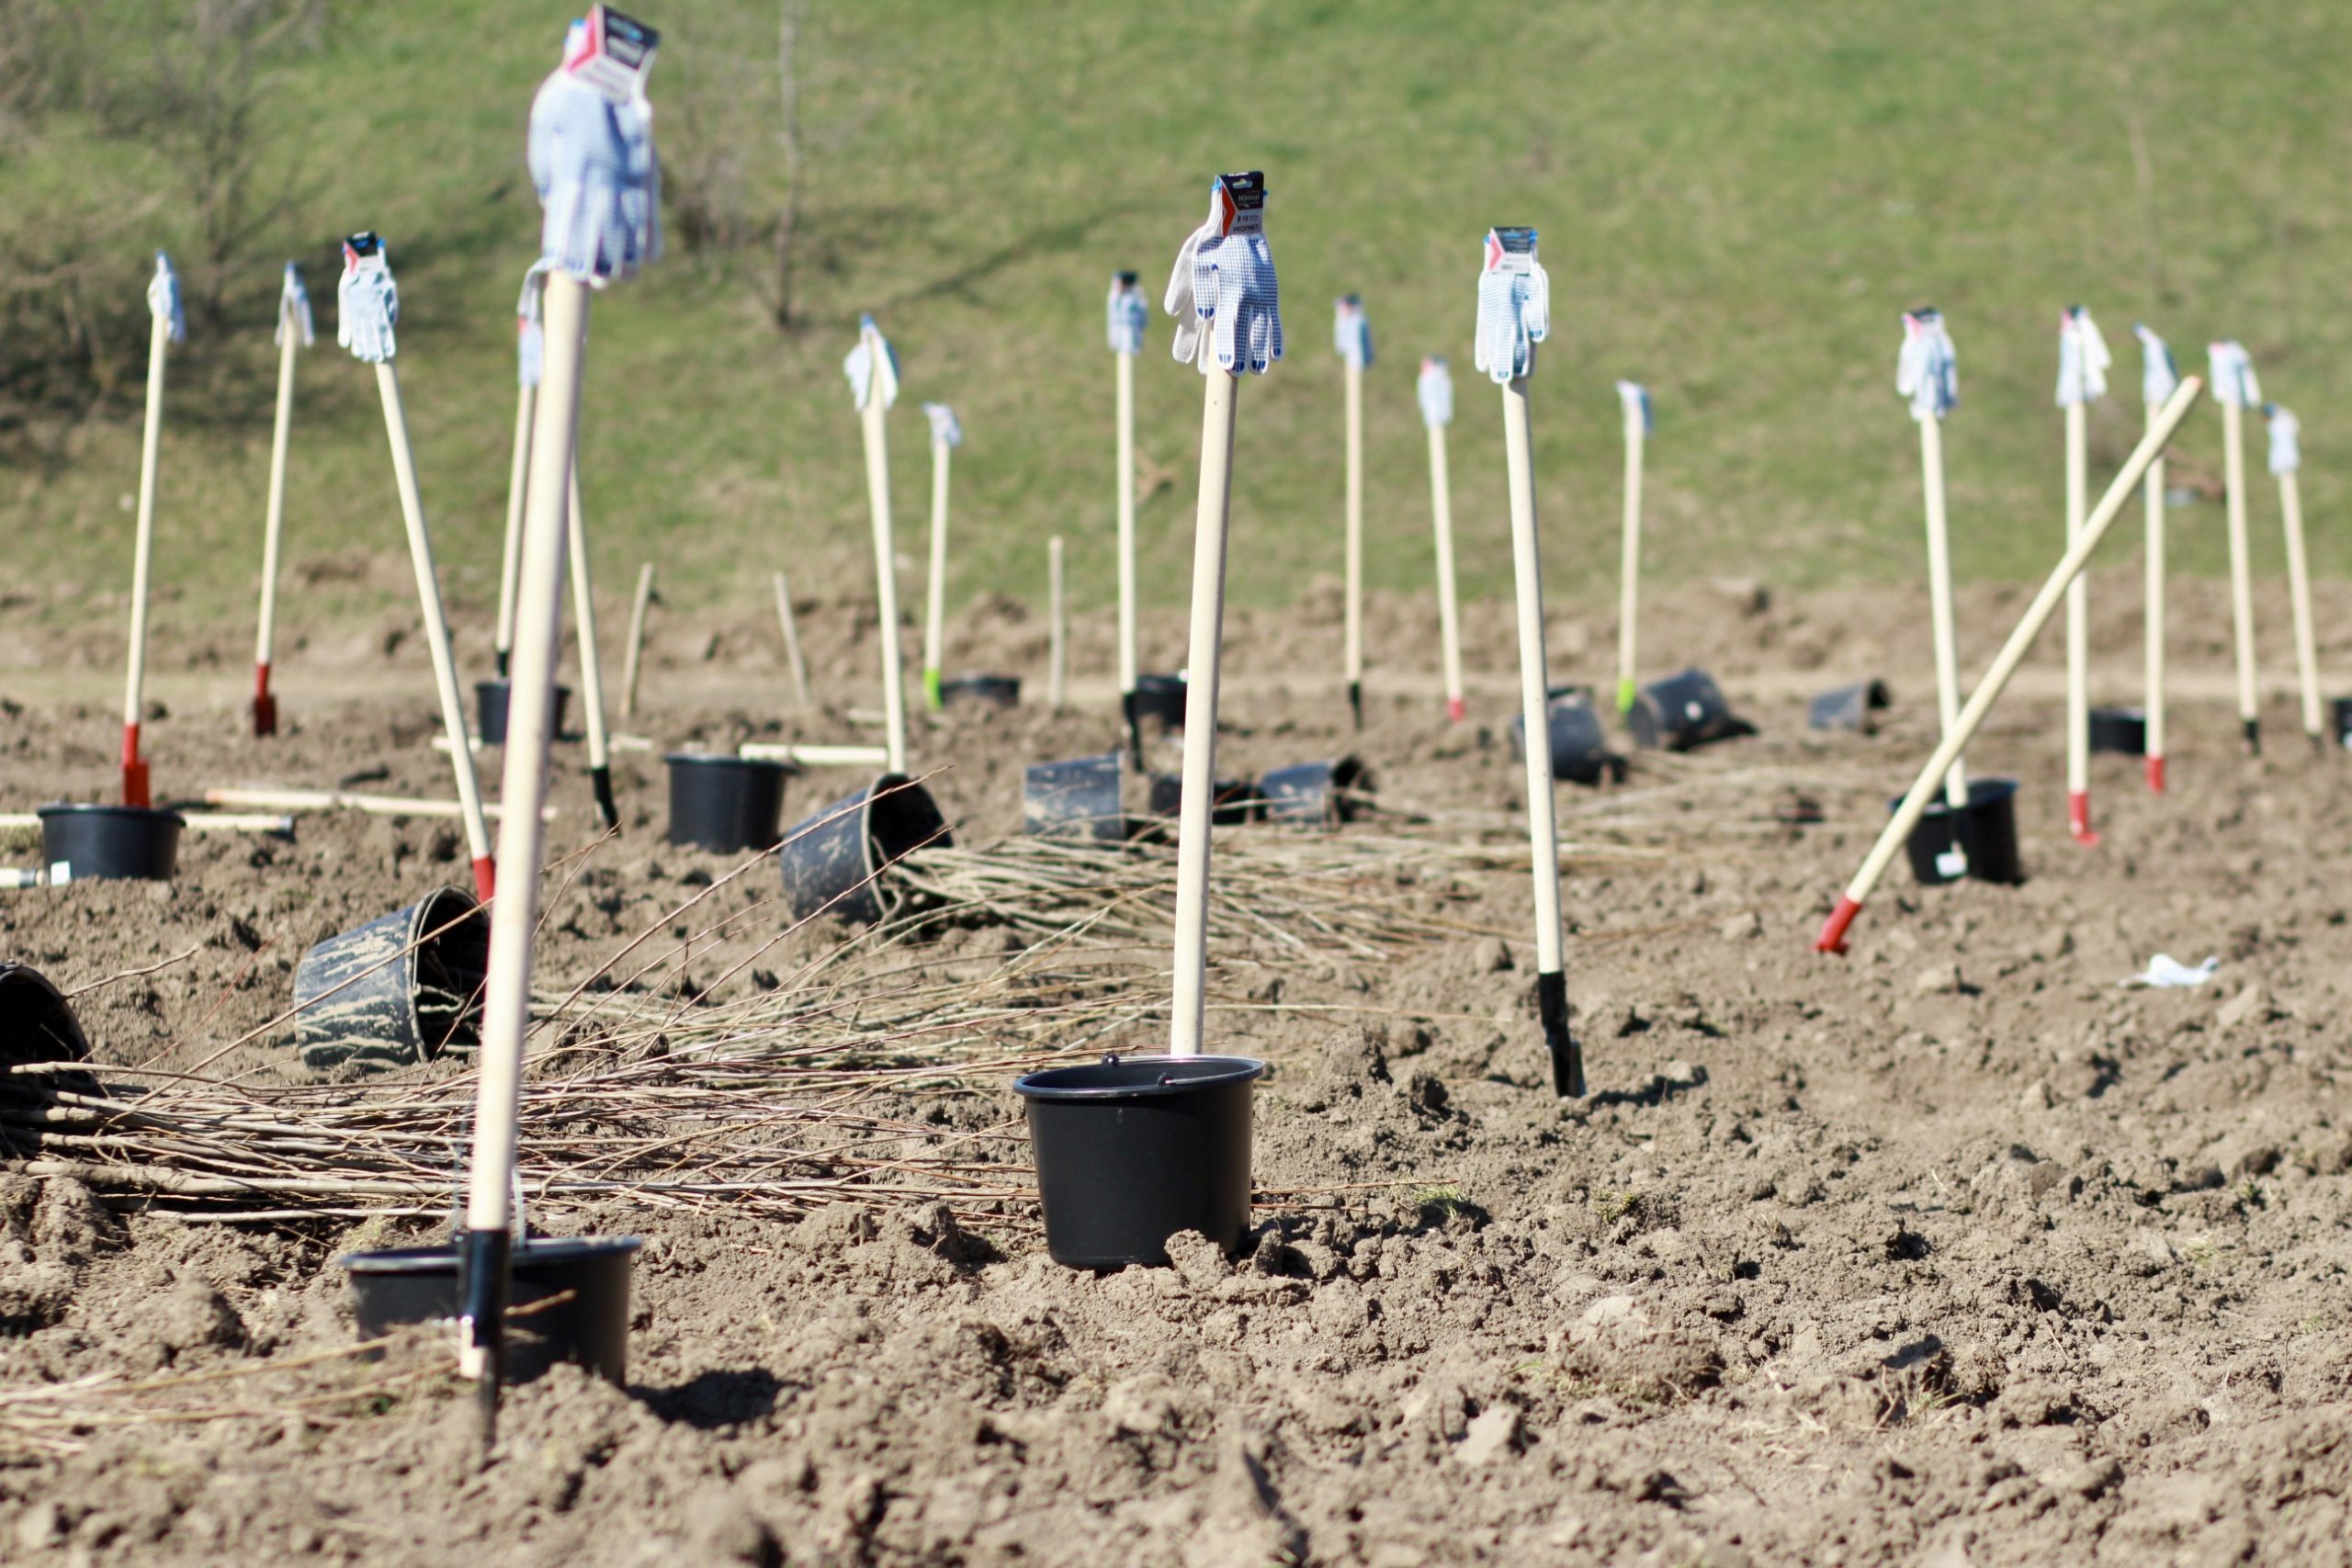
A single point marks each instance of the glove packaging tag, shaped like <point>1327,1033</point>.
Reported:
<point>1511,249</point>
<point>1243,203</point>
<point>611,53</point>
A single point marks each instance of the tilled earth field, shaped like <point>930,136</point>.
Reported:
<point>1955,1251</point>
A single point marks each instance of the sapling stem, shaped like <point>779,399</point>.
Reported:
<point>636,653</point>
<point>791,628</point>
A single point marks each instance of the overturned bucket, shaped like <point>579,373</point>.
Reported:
<point>981,691</point>
<point>1082,799</point>
<point>1315,795</point>
<point>88,843</point>
<point>569,1299</point>
<point>1848,707</point>
<point>399,989</point>
<point>1979,840</point>
<point>37,1025</point>
<point>725,803</point>
<point>1232,801</point>
<point>1130,1150</point>
<point>1581,752</point>
<point>1157,697</point>
<point>490,710</point>
<point>1682,712</point>
<point>838,861</point>
<point>2123,731</point>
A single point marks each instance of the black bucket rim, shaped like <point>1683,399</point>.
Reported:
<point>152,813</point>
<point>1994,788</point>
<point>1200,1072</point>
<point>746,764</point>
<point>443,1257</point>
<point>985,686</point>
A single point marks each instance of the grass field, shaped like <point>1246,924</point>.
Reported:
<point>1737,200</point>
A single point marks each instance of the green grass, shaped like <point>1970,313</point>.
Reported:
<point>1737,200</point>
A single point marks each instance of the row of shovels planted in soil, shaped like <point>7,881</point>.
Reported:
<point>1128,1150</point>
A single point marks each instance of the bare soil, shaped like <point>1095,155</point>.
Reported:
<point>1955,1251</point>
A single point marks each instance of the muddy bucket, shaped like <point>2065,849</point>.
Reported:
<point>583,1280</point>
<point>1315,795</point>
<point>83,844</point>
<point>1083,800</point>
<point>490,710</point>
<point>836,861</point>
<point>1682,712</point>
<point>725,803</point>
<point>981,691</point>
<point>399,989</point>
<point>1232,801</point>
<point>1159,697</point>
<point>1131,1150</point>
<point>37,1025</point>
<point>1580,751</point>
<point>2123,731</point>
<point>1848,707</point>
<point>1980,840</point>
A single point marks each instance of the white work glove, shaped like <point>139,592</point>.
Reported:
<point>163,297</point>
<point>1223,292</point>
<point>2233,374</point>
<point>2082,358</point>
<point>1435,388</point>
<point>2286,452</point>
<point>1352,332</point>
<point>2159,377</point>
<point>1928,371</point>
<point>944,428</point>
<point>293,309</point>
<point>590,156</point>
<point>368,305</point>
<point>1124,314</point>
<point>1514,305</point>
<point>530,330</point>
<point>872,352</point>
<point>1635,397</point>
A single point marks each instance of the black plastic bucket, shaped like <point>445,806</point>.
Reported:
<point>1082,799</point>
<point>725,803</point>
<point>587,1327</point>
<point>85,844</point>
<point>1848,707</point>
<point>2123,731</point>
<point>981,691</point>
<point>1315,795</point>
<point>1233,801</point>
<point>490,710</point>
<point>1980,840</point>
<point>1159,697</point>
<point>1131,1150</point>
<point>1581,752</point>
<point>839,866</point>
<point>36,1024</point>
<point>399,989</point>
<point>1682,712</point>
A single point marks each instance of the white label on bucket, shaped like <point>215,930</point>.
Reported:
<point>61,871</point>
<point>1952,863</point>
